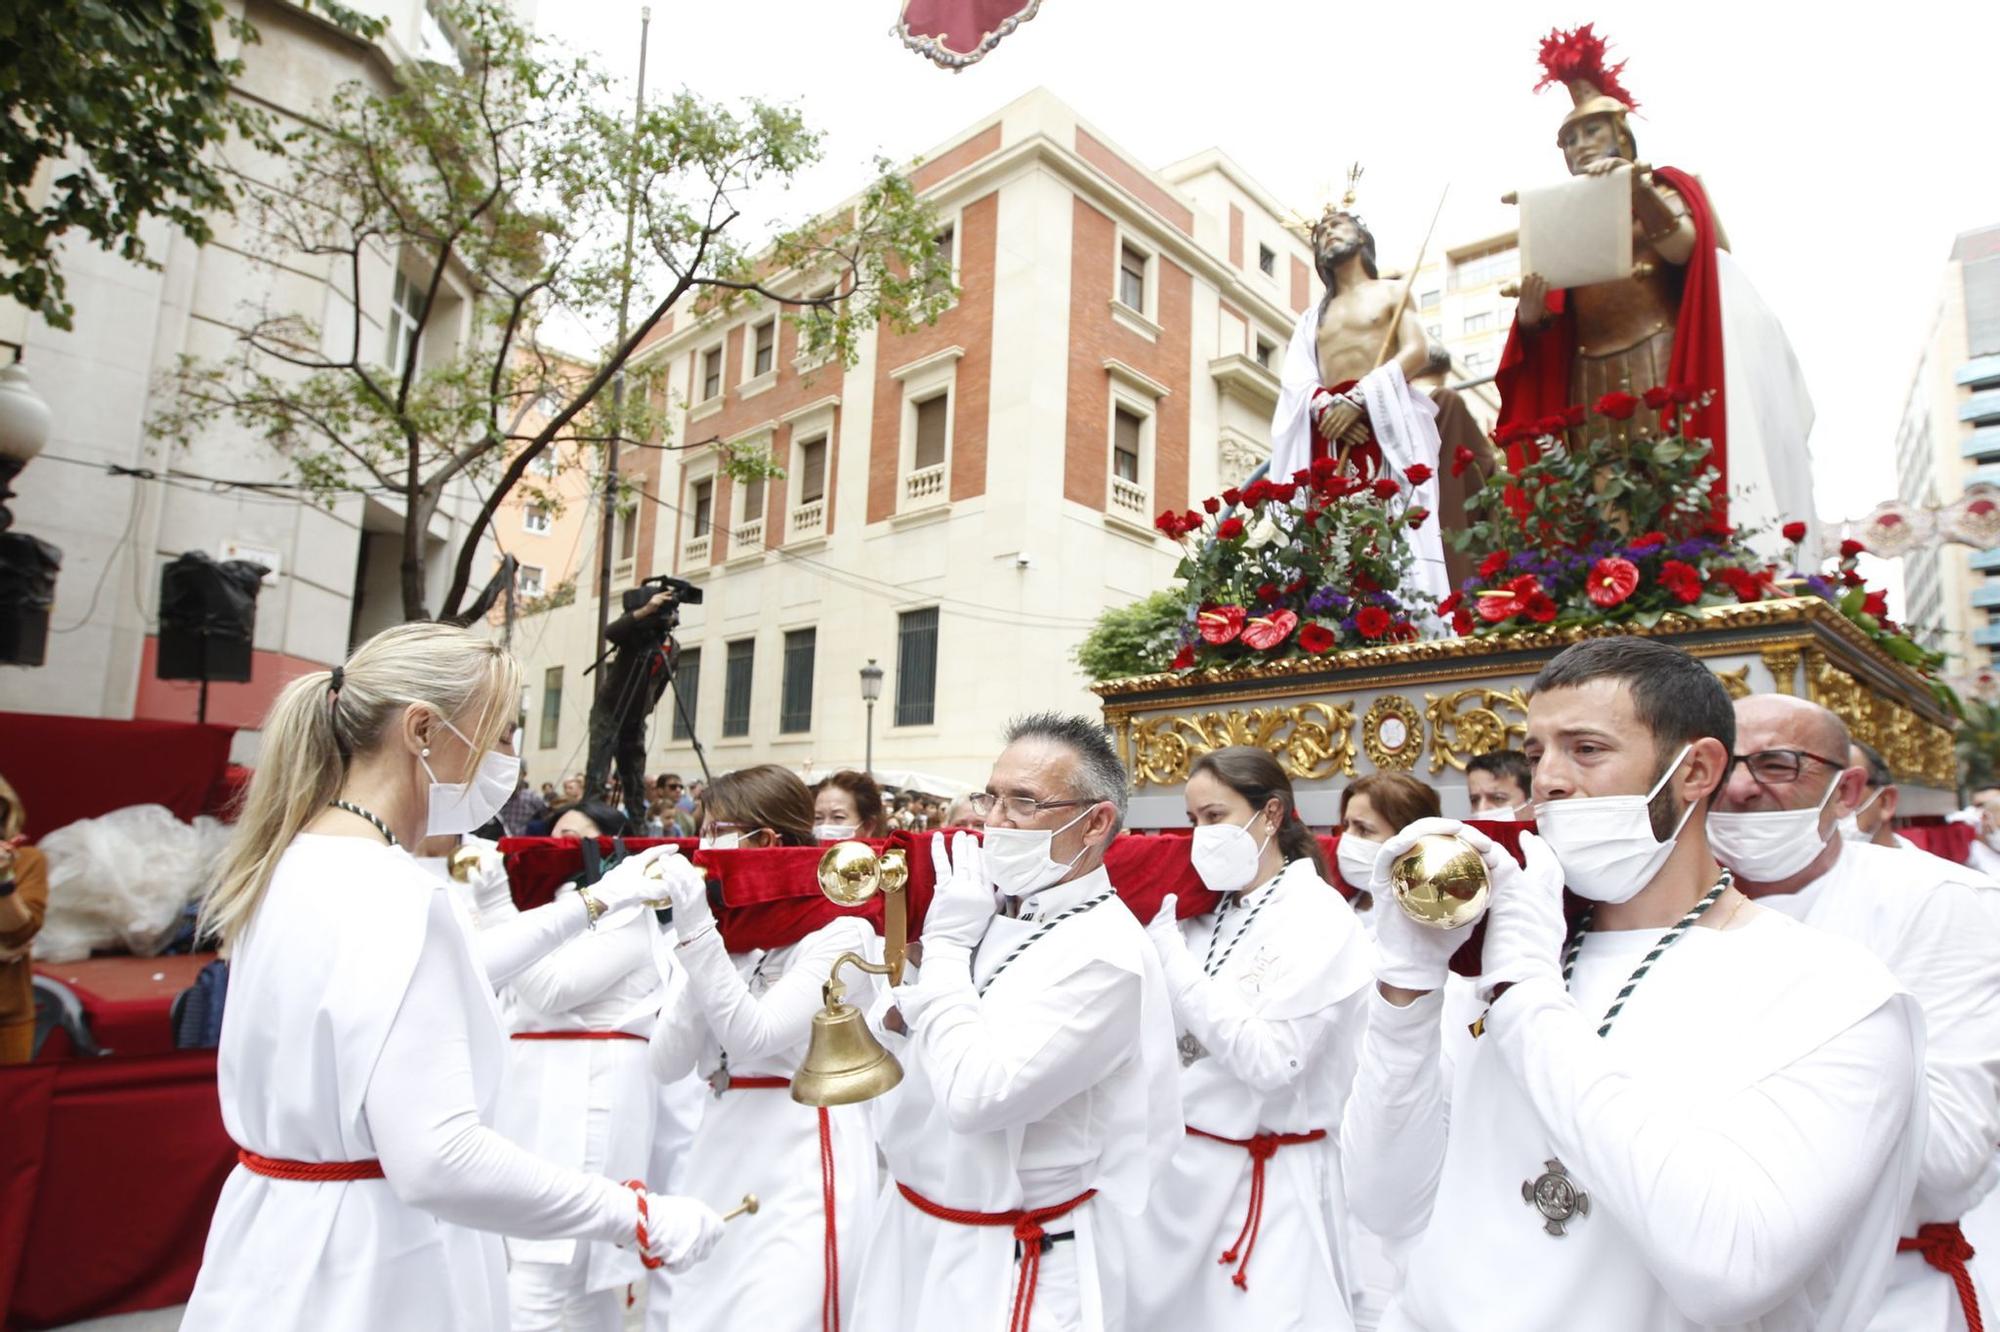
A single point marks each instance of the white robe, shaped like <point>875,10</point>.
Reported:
<point>1936,925</point>
<point>1279,1026</point>
<point>1770,415</point>
<point>1061,1078</point>
<point>768,1274</point>
<point>360,1027</point>
<point>1746,1135</point>
<point>1403,418</point>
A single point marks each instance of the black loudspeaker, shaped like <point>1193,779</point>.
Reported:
<point>208,617</point>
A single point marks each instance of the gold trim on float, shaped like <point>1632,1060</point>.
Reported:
<point>1400,758</point>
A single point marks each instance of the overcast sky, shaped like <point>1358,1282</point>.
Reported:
<point>1843,149</point>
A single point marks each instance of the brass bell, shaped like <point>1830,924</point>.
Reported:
<point>1440,881</point>
<point>851,872</point>
<point>844,1063</point>
<point>464,861</point>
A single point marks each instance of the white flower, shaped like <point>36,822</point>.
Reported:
<point>1262,535</point>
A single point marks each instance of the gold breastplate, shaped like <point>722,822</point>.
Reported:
<point>1613,317</point>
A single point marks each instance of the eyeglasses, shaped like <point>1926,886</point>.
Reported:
<point>1780,767</point>
<point>670,786</point>
<point>1017,808</point>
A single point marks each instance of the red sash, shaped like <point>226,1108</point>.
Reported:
<point>1027,1227</point>
<point>1943,1246</point>
<point>311,1172</point>
<point>1262,1148</point>
<point>576,1036</point>
<point>829,1311</point>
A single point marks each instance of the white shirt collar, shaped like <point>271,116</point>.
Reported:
<point>1054,901</point>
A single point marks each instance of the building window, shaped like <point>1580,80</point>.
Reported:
<point>766,341</point>
<point>551,707</point>
<point>947,242</point>
<point>736,687</point>
<point>753,499</point>
<point>687,685</point>
<point>628,533</point>
<point>1479,269</point>
<point>535,519</point>
<point>528,581</point>
<point>1479,323</point>
<point>406,319</point>
<point>916,667</point>
<point>933,414</point>
<point>1429,300</point>
<point>795,712</point>
<point>711,373</point>
<point>546,464</point>
<point>1132,277</point>
<point>812,470</point>
<point>704,506</point>
<point>1267,261</point>
<point>1477,361</point>
<point>1266,349</point>
<point>1127,428</point>
<point>1434,330</point>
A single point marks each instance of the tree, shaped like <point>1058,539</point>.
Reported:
<point>1135,639</point>
<point>129,99</point>
<point>506,178</point>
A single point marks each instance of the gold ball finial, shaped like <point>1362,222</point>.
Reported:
<point>1440,881</point>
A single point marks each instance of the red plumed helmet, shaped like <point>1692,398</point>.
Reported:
<point>1575,59</point>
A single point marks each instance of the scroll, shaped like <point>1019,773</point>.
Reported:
<point>1580,231</point>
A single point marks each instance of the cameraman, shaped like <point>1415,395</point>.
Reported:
<point>636,675</point>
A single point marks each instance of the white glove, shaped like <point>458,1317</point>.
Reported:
<point>628,884</point>
<point>680,1231</point>
<point>1164,930</point>
<point>1410,956</point>
<point>963,905</point>
<point>1524,926</point>
<point>688,887</point>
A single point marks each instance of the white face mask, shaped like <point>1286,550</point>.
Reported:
<point>1018,860</point>
<point>462,807</point>
<point>1504,814</point>
<point>1225,856</point>
<point>833,832</point>
<point>1770,844</point>
<point>1606,843</point>
<point>1849,825</point>
<point>1356,858</point>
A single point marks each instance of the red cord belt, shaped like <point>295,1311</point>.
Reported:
<point>312,1172</point>
<point>1943,1245</point>
<point>576,1036</point>
<point>1027,1227</point>
<point>829,1307</point>
<point>1262,1148</point>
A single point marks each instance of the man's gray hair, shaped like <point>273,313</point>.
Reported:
<point>1099,774</point>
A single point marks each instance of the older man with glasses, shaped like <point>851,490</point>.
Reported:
<point>1934,923</point>
<point>1040,1069</point>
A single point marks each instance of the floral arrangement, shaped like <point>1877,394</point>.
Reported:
<point>1301,567</point>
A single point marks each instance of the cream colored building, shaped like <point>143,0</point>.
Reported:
<point>335,578</point>
<point>1949,437</point>
<point>1458,295</point>
<point>960,504</point>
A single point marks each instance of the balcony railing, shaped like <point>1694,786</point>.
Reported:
<point>1128,499</point>
<point>747,538</point>
<point>694,552</point>
<point>809,519</point>
<point>924,486</point>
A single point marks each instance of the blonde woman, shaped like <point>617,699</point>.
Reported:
<point>361,1051</point>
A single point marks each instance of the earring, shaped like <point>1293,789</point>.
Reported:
<point>425,752</point>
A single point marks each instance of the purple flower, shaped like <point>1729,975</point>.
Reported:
<point>1692,549</point>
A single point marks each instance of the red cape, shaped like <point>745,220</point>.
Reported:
<point>1533,377</point>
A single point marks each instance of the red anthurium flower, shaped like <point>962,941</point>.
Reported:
<point>1682,580</point>
<point>1267,631</point>
<point>1612,580</point>
<point>1373,621</point>
<point>1385,487</point>
<point>1418,474</point>
<point>1184,658</point>
<point>1230,529</point>
<point>1494,565</point>
<point>1316,638</point>
<point>1618,405</point>
<point>1524,585</point>
<point>1850,548</point>
<point>1222,624</point>
<point>1495,606</point>
<point>1794,532</point>
<point>1462,458</point>
<point>1876,604</point>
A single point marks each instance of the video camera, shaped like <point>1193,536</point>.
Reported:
<point>684,592</point>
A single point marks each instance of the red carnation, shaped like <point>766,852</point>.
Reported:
<point>1850,548</point>
<point>1229,529</point>
<point>1212,504</point>
<point>1385,487</point>
<point>1742,582</point>
<point>1267,591</point>
<point>1373,622</point>
<point>1316,638</point>
<point>1451,603</point>
<point>1876,604</point>
<point>1418,474</point>
<point>1461,622</point>
<point>1494,565</point>
<point>1681,579</point>
<point>1539,607</point>
<point>1612,580</point>
<point>1462,458</point>
<point>1794,532</point>
<point>1364,583</point>
<point>1618,405</point>
<point>1184,658</point>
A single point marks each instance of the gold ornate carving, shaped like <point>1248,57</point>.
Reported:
<point>1459,733</point>
<point>1914,747</point>
<point>1393,711</point>
<point>1313,740</point>
<point>1783,664</point>
<point>1736,683</point>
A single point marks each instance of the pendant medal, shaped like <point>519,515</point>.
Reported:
<point>1555,1195</point>
<point>1190,1049</point>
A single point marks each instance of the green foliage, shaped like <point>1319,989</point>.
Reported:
<point>124,103</point>
<point>1979,744</point>
<point>1138,639</point>
<point>499,188</point>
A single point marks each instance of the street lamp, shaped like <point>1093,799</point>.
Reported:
<point>871,689</point>
<point>28,564</point>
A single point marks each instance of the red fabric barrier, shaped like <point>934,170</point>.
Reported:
<point>1953,841</point>
<point>109,1170</point>
<point>126,999</point>
<point>70,768</point>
